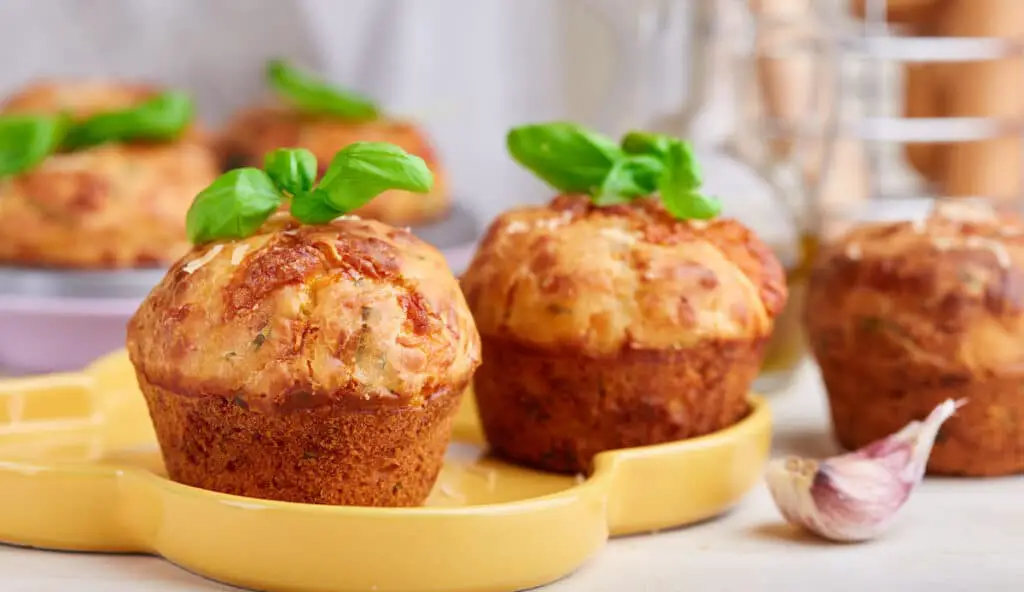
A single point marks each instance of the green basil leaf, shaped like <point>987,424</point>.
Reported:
<point>291,169</point>
<point>680,184</point>
<point>161,118</point>
<point>312,95</point>
<point>313,207</point>
<point>567,156</point>
<point>26,140</point>
<point>235,205</point>
<point>630,177</point>
<point>363,170</point>
<point>647,143</point>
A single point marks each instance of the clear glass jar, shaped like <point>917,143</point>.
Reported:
<point>745,82</point>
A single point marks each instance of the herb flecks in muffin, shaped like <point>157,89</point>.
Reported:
<point>574,159</point>
<point>241,200</point>
<point>27,140</point>
<point>311,95</point>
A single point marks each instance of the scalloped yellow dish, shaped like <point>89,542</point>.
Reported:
<point>80,470</point>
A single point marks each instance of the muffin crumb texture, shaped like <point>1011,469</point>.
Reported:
<point>614,327</point>
<point>928,310</point>
<point>321,364</point>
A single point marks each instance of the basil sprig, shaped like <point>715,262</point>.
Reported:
<point>312,95</point>
<point>161,118</point>
<point>574,159</point>
<point>241,200</point>
<point>26,140</point>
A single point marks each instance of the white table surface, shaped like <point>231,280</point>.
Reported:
<point>952,535</point>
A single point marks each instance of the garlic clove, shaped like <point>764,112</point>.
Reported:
<point>854,497</point>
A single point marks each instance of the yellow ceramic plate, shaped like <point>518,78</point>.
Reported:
<point>80,470</point>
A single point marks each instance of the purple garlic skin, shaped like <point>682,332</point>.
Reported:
<point>855,496</point>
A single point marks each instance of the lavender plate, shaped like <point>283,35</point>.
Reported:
<point>61,320</point>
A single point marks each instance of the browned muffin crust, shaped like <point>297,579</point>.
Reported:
<point>904,315</point>
<point>615,327</point>
<point>255,132</point>
<point>556,411</point>
<point>349,340</point>
<point>112,206</point>
<point>329,454</point>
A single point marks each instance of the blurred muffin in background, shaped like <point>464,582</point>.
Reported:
<point>322,119</point>
<point>904,315</point>
<point>111,204</point>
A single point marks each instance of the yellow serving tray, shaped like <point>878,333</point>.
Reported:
<point>80,470</point>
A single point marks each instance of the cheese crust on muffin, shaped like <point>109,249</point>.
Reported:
<point>613,327</point>
<point>110,206</point>
<point>319,364</point>
<point>903,315</point>
<point>256,131</point>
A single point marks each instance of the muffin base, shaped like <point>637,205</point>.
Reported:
<point>554,411</point>
<point>984,438</point>
<point>329,454</point>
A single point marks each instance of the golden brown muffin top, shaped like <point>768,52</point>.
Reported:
<point>945,289</point>
<point>82,98</point>
<point>571,275</point>
<point>353,312</point>
<point>258,130</point>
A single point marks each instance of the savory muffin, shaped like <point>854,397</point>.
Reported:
<point>256,131</point>
<point>319,364</point>
<point>615,326</point>
<point>114,205</point>
<point>903,315</point>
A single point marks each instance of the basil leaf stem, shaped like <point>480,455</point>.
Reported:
<point>629,178</point>
<point>314,207</point>
<point>292,169</point>
<point>679,184</point>
<point>312,95</point>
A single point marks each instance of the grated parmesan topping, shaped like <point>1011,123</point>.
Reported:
<point>966,211</point>
<point>998,249</point>
<point>943,243</point>
<point>239,253</point>
<point>995,247</point>
<point>853,251</point>
<point>618,235</point>
<point>195,264</point>
<point>517,227</point>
